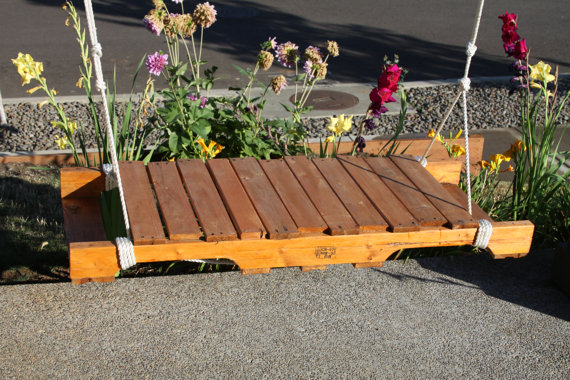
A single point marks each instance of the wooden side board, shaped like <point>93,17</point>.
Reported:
<point>98,260</point>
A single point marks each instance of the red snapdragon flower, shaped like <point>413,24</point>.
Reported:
<point>509,19</point>
<point>521,50</point>
<point>387,85</point>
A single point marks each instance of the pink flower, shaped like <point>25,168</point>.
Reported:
<point>151,25</point>
<point>387,85</point>
<point>510,35</point>
<point>155,63</point>
<point>287,54</point>
<point>390,77</point>
<point>509,19</point>
<point>272,42</point>
<point>521,50</point>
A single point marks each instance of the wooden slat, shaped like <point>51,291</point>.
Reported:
<point>461,197</point>
<point>212,215</point>
<point>323,197</point>
<point>174,206</point>
<point>241,210</point>
<point>81,182</point>
<point>82,220</point>
<point>357,204</point>
<point>271,211</point>
<point>398,217</point>
<point>424,212</point>
<point>300,207</point>
<point>96,260</point>
<point>449,207</point>
<point>146,226</point>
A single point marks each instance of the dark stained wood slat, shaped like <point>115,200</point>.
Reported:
<point>212,215</point>
<point>449,207</point>
<point>461,197</point>
<point>146,226</point>
<point>357,204</point>
<point>173,202</point>
<point>323,197</point>
<point>241,210</point>
<point>424,212</point>
<point>271,211</point>
<point>300,207</point>
<point>82,220</point>
<point>398,217</point>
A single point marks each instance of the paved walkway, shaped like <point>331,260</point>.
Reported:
<point>460,317</point>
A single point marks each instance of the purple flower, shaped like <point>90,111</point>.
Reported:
<point>155,63</point>
<point>369,124</point>
<point>272,42</point>
<point>203,102</point>
<point>308,69</point>
<point>151,25</point>
<point>360,143</point>
<point>192,97</point>
<point>287,54</point>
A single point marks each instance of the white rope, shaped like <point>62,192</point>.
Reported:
<point>126,252</point>
<point>465,85</point>
<point>97,52</point>
<point>213,261</point>
<point>3,120</point>
<point>483,235</point>
<point>421,160</point>
<point>110,179</point>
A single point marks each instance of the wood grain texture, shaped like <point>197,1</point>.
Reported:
<point>174,205</point>
<point>81,182</point>
<point>239,206</point>
<point>349,193</point>
<point>418,205</point>
<point>300,207</point>
<point>332,210</point>
<point>82,220</point>
<point>207,203</point>
<point>96,260</point>
<point>455,212</point>
<point>398,217</point>
<point>461,197</point>
<point>146,225</point>
<point>274,215</point>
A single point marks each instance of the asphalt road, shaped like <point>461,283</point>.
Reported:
<point>429,36</point>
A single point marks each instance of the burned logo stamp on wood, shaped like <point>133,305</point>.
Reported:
<point>325,252</point>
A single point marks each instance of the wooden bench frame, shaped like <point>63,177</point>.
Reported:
<point>94,259</point>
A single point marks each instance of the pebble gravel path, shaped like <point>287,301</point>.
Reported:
<point>490,106</point>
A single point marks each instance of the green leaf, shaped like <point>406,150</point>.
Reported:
<point>173,143</point>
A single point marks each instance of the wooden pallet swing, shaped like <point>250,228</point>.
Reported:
<point>291,212</point>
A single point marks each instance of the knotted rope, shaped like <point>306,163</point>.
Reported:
<point>485,227</point>
<point>124,244</point>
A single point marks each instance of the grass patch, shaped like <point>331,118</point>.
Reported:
<point>32,242</point>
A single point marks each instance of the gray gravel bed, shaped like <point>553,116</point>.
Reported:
<point>436,318</point>
<point>490,106</point>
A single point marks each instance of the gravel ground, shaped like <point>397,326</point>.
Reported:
<point>490,106</point>
<point>455,318</point>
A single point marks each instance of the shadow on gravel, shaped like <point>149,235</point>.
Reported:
<point>32,246</point>
<point>526,281</point>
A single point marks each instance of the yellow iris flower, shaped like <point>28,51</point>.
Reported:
<point>340,124</point>
<point>211,150</point>
<point>28,68</point>
<point>61,142</point>
<point>457,150</point>
<point>540,73</point>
